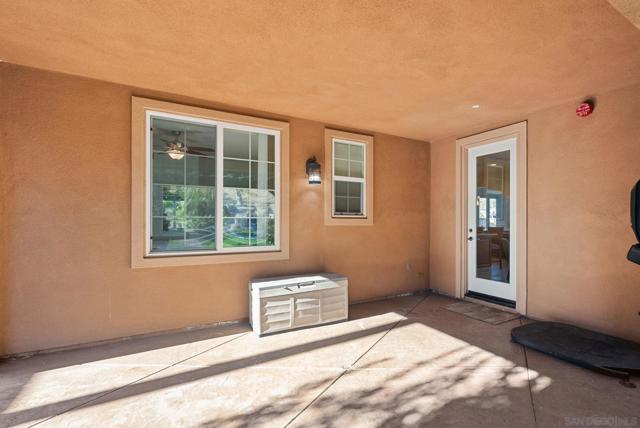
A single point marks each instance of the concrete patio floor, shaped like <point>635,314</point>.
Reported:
<point>398,362</point>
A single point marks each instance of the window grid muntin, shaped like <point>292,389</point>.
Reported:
<point>220,126</point>
<point>362,180</point>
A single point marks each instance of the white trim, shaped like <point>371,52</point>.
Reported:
<point>518,131</point>
<point>349,179</point>
<point>148,182</point>
<point>219,185</point>
<point>211,122</point>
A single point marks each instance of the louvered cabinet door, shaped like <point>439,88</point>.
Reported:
<point>276,313</point>
<point>333,304</point>
<point>307,309</point>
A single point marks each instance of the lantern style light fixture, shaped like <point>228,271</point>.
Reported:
<point>313,170</point>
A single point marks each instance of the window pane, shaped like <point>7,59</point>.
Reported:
<point>492,212</point>
<point>200,139</point>
<point>262,232</point>
<point>183,190</point>
<point>263,175</point>
<point>201,171</point>
<point>341,204</point>
<point>341,151</point>
<point>236,173</point>
<point>236,202</point>
<point>200,201</point>
<point>236,144</point>
<point>348,198</point>
<point>482,212</point>
<point>168,201</point>
<point>355,189</point>
<point>236,232</point>
<point>341,167</point>
<point>356,152</point>
<point>167,170</point>
<point>263,147</point>
<point>249,194</point>
<point>263,203</point>
<point>355,169</point>
<point>200,234</point>
<point>355,206</point>
<point>167,133</point>
<point>167,234</point>
<point>341,188</point>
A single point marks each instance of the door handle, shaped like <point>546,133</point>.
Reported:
<point>470,238</point>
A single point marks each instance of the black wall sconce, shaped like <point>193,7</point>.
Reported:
<point>313,170</point>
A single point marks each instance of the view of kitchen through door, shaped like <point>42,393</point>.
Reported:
<point>491,221</point>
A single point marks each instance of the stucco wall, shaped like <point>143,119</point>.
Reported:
<point>66,224</point>
<point>579,177</point>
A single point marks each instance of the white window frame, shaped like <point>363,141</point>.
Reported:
<point>219,184</point>
<point>366,218</point>
<point>363,180</point>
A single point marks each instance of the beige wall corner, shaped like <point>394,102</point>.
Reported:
<point>630,9</point>
<point>442,269</point>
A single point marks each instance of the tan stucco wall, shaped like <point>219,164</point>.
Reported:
<point>66,224</point>
<point>579,178</point>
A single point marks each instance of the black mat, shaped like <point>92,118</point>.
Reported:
<point>589,349</point>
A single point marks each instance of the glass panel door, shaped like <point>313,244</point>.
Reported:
<point>491,206</point>
<point>492,214</point>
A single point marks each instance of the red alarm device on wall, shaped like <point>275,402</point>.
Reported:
<point>585,109</point>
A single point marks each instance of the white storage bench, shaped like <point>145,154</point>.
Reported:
<point>288,302</point>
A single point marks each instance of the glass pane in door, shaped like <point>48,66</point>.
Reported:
<point>492,216</point>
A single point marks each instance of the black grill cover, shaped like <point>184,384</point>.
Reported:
<point>586,348</point>
<point>635,210</point>
<point>634,252</point>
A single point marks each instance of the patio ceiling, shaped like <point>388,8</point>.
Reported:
<point>409,68</point>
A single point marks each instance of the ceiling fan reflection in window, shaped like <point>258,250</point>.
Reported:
<point>176,148</point>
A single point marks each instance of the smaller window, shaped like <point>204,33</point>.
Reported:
<point>349,185</point>
<point>348,178</point>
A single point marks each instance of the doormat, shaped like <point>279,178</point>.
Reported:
<point>482,313</point>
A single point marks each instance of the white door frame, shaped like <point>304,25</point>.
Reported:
<point>519,132</point>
